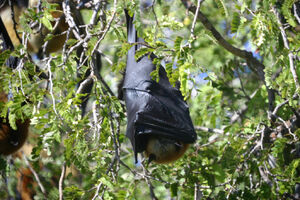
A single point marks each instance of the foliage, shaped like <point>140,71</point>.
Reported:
<point>243,151</point>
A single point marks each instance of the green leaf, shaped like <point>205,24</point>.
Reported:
<point>142,51</point>
<point>12,121</point>
<point>177,43</point>
<point>222,7</point>
<point>286,10</point>
<point>235,23</point>
<point>46,21</point>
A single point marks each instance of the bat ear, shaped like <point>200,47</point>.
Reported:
<point>152,157</point>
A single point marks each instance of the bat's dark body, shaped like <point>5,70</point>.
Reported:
<point>153,109</point>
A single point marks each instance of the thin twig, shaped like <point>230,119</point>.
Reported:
<point>156,18</point>
<point>70,20</point>
<point>35,175</point>
<point>97,123</point>
<point>199,2</point>
<point>282,104</point>
<point>242,111</point>
<point>61,181</point>
<point>134,172</point>
<point>287,46</point>
<point>96,8</point>
<point>97,191</point>
<point>116,159</point>
<point>96,46</point>
<point>85,84</point>
<point>148,181</point>
<point>296,13</point>
<point>285,125</point>
<point>51,84</point>
<point>242,84</point>
<point>210,130</point>
<point>197,192</point>
<point>264,175</point>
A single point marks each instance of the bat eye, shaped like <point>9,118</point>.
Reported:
<point>178,146</point>
<point>14,143</point>
<point>152,157</point>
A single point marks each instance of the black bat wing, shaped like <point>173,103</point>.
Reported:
<point>155,109</point>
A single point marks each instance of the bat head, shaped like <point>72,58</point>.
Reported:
<point>163,150</point>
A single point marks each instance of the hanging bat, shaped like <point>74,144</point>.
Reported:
<point>10,14</point>
<point>12,140</point>
<point>158,120</point>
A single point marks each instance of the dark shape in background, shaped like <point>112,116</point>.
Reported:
<point>10,140</point>
<point>12,62</point>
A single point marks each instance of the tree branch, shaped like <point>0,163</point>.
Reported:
<point>253,63</point>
